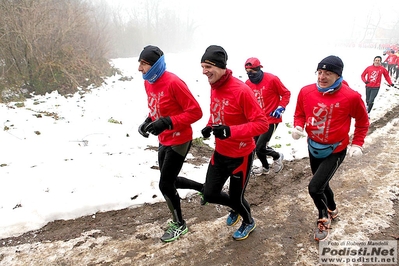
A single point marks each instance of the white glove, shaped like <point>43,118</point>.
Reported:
<point>297,132</point>
<point>355,151</point>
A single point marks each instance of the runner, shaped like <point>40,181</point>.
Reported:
<point>235,119</point>
<point>273,97</point>
<point>172,111</point>
<point>325,110</point>
<point>371,76</point>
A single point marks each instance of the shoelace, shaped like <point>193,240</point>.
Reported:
<point>242,228</point>
<point>322,226</point>
<point>172,227</point>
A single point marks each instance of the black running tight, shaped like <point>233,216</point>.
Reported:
<point>262,149</point>
<point>171,160</point>
<point>319,188</point>
<point>238,170</point>
<point>371,94</point>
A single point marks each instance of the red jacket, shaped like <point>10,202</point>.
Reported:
<point>233,104</point>
<point>270,93</point>
<point>170,96</point>
<point>391,59</point>
<point>326,117</point>
<point>372,76</point>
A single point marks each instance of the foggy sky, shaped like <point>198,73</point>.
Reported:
<point>285,24</point>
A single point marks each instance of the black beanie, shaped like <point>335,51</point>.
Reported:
<point>150,54</point>
<point>216,56</point>
<point>332,63</point>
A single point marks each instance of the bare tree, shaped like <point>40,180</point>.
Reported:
<point>48,45</point>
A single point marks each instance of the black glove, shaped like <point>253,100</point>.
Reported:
<point>367,82</point>
<point>221,131</point>
<point>206,132</point>
<point>159,125</point>
<point>390,85</point>
<point>143,125</point>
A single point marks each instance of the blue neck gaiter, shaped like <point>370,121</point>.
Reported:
<point>332,87</point>
<point>255,78</point>
<point>156,70</point>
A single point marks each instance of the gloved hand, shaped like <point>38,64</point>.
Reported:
<point>278,112</point>
<point>297,132</point>
<point>355,151</point>
<point>159,125</point>
<point>390,85</point>
<point>143,125</point>
<point>206,132</point>
<point>221,131</point>
<point>367,82</point>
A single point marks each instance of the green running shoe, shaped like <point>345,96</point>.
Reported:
<point>174,231</point>
<point>203,202</point>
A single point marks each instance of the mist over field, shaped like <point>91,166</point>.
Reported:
<point>283,27</point>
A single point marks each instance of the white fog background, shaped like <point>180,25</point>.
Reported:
<point>93,159</point>
<point>284,27</point>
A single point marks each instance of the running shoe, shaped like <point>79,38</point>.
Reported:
<point>244,230</point>
<point>203,202</point>
<point>278,163</point>
<point>258,171</point>
<point>333,214</point>
<point>232,219</point>
<point>322,230</point>
<point>174,231</point>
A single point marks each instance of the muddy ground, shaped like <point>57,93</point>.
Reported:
<point>283,210</point>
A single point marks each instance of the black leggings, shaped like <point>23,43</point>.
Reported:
<point>219,170</point>
<point>391,69</point>
<point>319,188</point>
<point>371,94</point>
<point>262,149</point>
<point>171,160</point>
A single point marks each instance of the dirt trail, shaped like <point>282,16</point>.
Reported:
<point>366,191</point>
